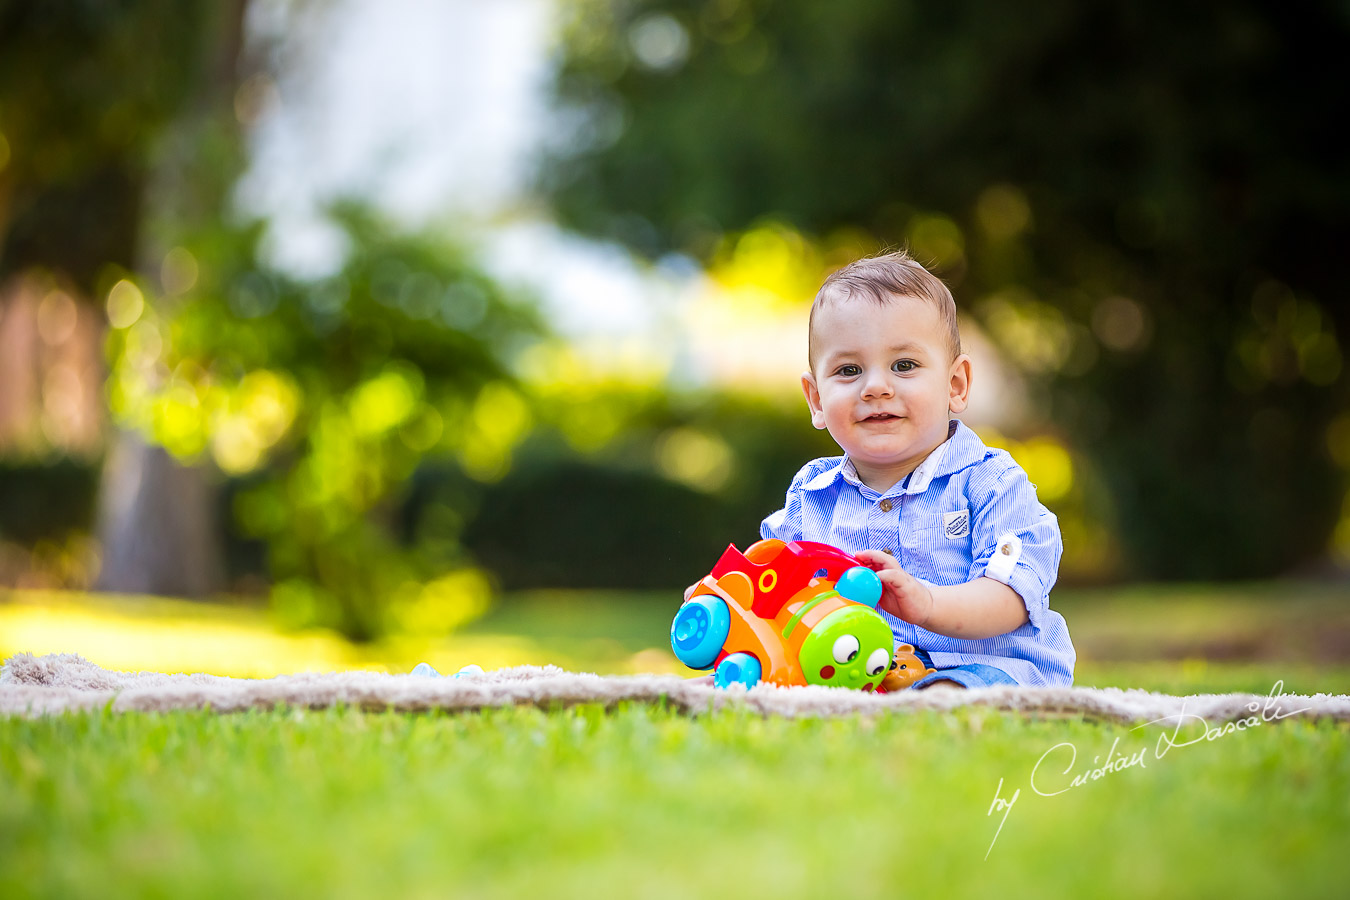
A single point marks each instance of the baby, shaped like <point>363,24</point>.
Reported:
<point>965,552</point>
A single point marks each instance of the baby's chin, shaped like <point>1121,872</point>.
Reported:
<point>882,455</point>
<point>884,450</point>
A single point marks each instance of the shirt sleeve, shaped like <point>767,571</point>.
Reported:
<point>786,524</point>
<point>1011,522</point>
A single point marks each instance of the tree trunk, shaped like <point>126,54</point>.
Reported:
<point>158,519</point>
<point>157,523</point>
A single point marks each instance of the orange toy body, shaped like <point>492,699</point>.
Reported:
<point>788,614</point>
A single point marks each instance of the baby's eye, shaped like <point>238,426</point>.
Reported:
<point>904,365</point>
<point>849,371</point>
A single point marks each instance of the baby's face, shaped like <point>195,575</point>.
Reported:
<point>884,383</point>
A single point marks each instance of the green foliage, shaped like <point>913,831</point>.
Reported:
<point>86,90</point>
<point>645,802</point>
<point>1144,206</point>
<point>325,398</point>
<point>121,133</point>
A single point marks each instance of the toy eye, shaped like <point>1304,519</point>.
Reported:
<point>846,649</point>
<point>877,662</point>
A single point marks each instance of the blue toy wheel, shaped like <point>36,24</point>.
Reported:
<point>699,629</point>
<point>861,585</point>
<point>738,668</point>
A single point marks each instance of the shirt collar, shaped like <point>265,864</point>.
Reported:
<point>961,449</point>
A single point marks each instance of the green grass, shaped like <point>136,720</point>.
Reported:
<point>642,802</point>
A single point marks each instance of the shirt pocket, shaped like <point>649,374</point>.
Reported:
<point>937,547</point>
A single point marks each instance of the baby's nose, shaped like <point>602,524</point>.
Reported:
<point>876,387</point>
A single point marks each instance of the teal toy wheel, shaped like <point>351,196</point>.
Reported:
<point>738,668</point>
<point>699,629</point>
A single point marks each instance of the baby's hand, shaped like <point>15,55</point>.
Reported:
<point>690,590</point>
<point>902,595</point>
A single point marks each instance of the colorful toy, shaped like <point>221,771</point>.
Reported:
<point>789,614</point>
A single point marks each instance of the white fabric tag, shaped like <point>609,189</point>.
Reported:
<point>956,524</point>
<point>1005,557</point>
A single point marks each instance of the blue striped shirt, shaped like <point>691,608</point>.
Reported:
<point>945,523</point>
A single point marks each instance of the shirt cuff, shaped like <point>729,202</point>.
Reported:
<point>1005,566</point>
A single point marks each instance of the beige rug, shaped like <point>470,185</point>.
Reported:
<point>44,685</point>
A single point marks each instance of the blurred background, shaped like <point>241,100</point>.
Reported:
<point>356,333</point>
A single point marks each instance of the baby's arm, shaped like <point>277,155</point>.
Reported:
<point>981,608</point>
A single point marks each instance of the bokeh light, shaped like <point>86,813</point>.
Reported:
<point>700,460</point>
<point>125,304</point>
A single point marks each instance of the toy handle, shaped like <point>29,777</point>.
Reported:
<point>816,548</point>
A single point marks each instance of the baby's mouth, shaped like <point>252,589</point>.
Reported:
<point>880,417</point>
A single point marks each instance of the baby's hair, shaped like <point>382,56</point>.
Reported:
<point>879,278</point>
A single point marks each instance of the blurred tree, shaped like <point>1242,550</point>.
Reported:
<point>122,127</point>
<point>1143,203</point>
<point>323,399</point>
<point>158,523</point>
<point>85,91</point>
<point>117,128</point>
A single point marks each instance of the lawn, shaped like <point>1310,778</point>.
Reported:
<point>644,802</point>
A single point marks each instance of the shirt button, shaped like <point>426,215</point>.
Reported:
<point>888,551</point>
<point>885,506</point>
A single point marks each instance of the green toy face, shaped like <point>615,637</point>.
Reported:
<point>849,648</point>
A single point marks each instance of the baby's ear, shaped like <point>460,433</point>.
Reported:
<point>813,399</point>
<point>959,385</point>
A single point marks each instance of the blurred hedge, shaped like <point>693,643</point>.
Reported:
<point>47,499</point>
